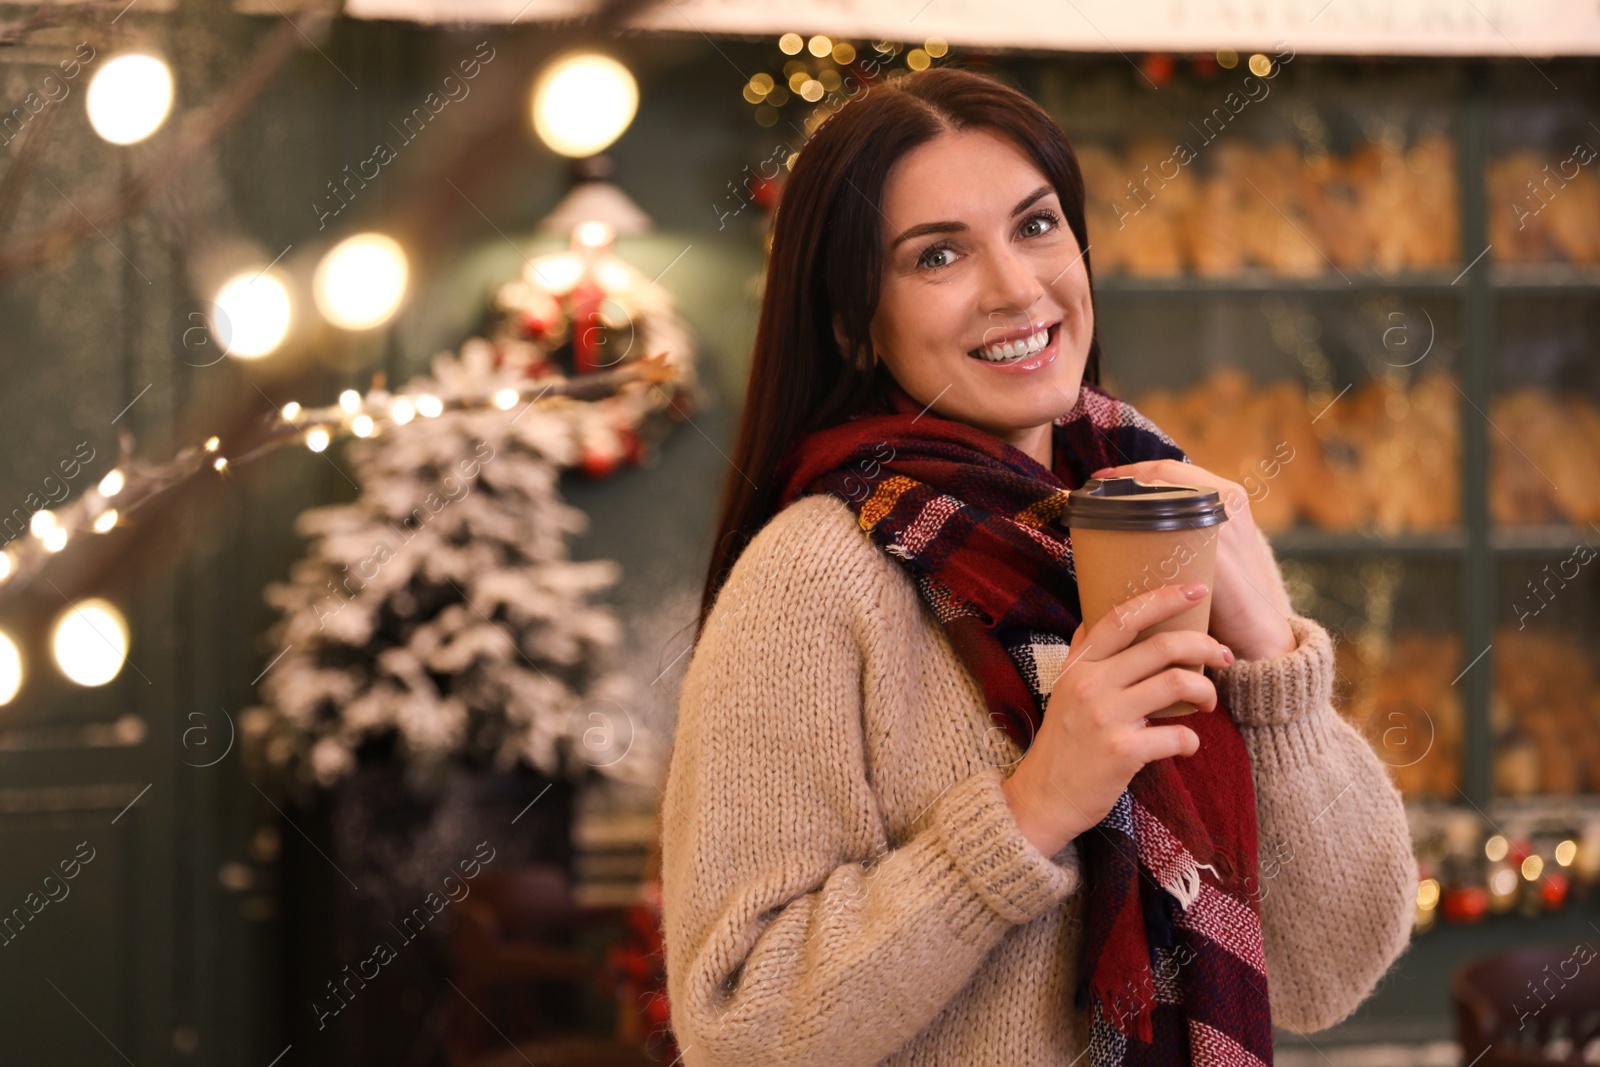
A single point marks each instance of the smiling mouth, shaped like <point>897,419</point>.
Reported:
<point>1017,351</point>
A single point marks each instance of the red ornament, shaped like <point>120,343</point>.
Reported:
<point>534,326</point>
<point>1158,67</point>
<point>1465,904</point>
<point>597,465</point>
<point>764,192</point>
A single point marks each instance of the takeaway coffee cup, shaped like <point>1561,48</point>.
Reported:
<point>1129,538</point>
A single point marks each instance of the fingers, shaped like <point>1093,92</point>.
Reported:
<point>1118,628</point>
<point>1163,742</point>
<point>1175,471</point>
<point>1168,687</point>
<point>1145,658</point>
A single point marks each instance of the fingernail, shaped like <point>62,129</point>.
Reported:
<point>1227,654</point>
<point>1194,591</point>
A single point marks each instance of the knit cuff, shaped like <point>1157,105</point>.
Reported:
<point>1016,880</point>
<point>1268,692</point>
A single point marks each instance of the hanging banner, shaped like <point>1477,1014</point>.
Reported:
<point>1527,28</point>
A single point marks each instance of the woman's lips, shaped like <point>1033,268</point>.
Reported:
<point>1044,358</point>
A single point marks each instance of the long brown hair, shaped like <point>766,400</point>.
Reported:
<point>826,261</point>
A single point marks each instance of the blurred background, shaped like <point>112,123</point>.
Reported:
<point>371,375</point>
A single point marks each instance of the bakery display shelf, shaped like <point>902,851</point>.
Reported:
<point>1535,279</point>
<point>1519,279</point>
<point>1267,282</point>
<point>1256,326</point>
<point>1554,537</point>
<point>1315,541</point>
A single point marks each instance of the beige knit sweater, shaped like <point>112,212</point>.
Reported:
<point>844,884</point>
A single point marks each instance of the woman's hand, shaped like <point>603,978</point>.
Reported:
<point>1094,737</point>
<point>1249,611</point>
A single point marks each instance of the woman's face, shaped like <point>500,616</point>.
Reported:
<point>977,253</point>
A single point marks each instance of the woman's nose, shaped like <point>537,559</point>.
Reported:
<point>1012,284</point>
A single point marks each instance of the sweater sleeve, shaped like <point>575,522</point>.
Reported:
<point>1337,874</point>
<point>795,932</point>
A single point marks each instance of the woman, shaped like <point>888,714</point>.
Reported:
<point>914,813</point>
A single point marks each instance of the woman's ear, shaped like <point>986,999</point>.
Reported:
<point>851,354</point>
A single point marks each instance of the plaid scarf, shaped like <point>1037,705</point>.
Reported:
<point>1173,969</point>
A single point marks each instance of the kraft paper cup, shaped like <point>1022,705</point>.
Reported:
<point>1129,538</point>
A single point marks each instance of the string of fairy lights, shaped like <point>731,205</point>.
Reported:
<point>89,639</point>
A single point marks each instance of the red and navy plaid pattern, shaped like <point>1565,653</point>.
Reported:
<point>1173,969</point>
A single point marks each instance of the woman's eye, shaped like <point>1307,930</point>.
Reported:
<point>1041,216</point>
<point>936,250</point>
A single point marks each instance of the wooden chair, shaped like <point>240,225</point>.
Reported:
<point>1530,1007</point>
<point>518,974</point>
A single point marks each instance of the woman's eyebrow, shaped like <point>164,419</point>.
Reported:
<point>956,227</point>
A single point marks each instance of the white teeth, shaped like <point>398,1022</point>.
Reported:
<point>1014,350</point>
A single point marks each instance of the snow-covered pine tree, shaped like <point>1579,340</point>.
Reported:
<point>438,618</point>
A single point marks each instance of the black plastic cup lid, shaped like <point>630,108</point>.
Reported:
<point>1129,504</point>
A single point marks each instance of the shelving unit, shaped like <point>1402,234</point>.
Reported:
<point>1475,288</point>
<point>1458,569</point>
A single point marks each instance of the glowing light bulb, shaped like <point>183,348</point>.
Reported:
<point>614,276</point>
<point>558,272</point>
<point>111,484</point>
<point>583,102</point>
<point>56,539</point>
<point>220,463</point>
<point>362,426</point>
<point>592,234</point>
<point>350,401</point>
<point>129,98</point>
<point>506,399</point>
<point>90,642</point>
<point>402,411</point>
<point>104,521</point>
<point>429,406</point>
<point>213,443</point>
<point>291,411</point>
<point>359,284</point>
<point>6,564</point>
<point>317,439</point>
<point>251,316</point>
<point>42,522</point>
<point>10,669</point>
